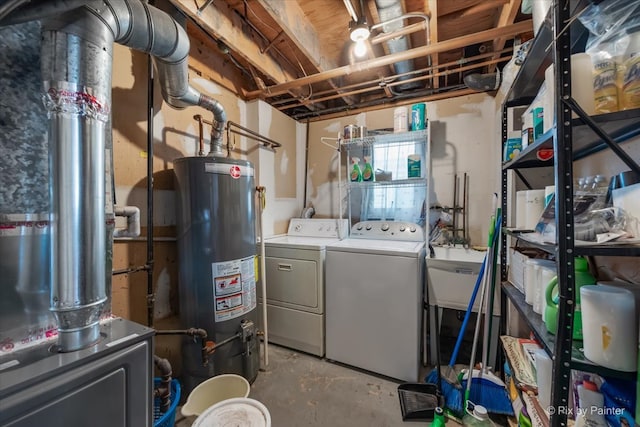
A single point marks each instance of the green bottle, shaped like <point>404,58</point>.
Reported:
<point>438,419</point>
<point>356,173</point>
<point>367,173</point>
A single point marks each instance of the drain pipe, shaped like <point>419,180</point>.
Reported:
<point>163,391</point>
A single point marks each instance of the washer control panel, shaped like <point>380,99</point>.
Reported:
<point>308,227</point>
<point>388,230</point>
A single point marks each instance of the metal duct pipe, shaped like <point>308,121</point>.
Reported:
<point>389,10</point>
<point>76,71</point>
<point>76,67</point>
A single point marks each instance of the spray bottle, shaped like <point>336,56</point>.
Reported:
<point>367,173</point>
<point>356,173</point>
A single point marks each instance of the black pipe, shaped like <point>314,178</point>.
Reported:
<point>163,391</point>
<point>150,115</point>
<point>207,347</point>
<point>130,270</point>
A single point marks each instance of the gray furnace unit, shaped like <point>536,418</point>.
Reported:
<point>218,265</point>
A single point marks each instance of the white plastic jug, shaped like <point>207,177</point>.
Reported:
<point>609,333</point>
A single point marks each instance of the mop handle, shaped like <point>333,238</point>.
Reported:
<point>467,315</point>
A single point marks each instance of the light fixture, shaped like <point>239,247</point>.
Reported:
<point>359,34</point>
<point>360,49</point>
<point>359,30</point>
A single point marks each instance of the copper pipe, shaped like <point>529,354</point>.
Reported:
<point>456,43</point>
<point>426,98</point>
<point>370,89</point>
<point>201,120</point>
<point>413,28</point>
<point>420,71</point>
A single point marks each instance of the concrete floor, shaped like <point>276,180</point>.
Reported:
<point>303,390</point>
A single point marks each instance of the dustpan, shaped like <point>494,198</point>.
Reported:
<point>418,401</point>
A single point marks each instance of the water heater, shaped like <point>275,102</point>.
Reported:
<point>218,265</point>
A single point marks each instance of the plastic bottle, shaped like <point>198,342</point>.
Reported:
<point>356,173</point>
<point>438,418</point>
<point>582,277</point>
<point>629,73</point>
<point>367,172</point>
<point>478,418</point>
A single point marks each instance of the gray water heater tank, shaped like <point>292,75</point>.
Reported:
<point>218,264</point>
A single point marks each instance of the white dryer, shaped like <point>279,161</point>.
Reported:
<point>295,270</point>
<point>375,299</point>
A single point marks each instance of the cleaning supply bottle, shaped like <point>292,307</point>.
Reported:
<point>582,277</point>
<point>478,418</point>
<point>356,173</point>
<point>367,173</point>
<point>438,418</point>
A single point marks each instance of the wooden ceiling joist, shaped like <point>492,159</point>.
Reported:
<point>442,46</point>
<point>507,16</point>
<point>290,17</point>
<point>223,25</point>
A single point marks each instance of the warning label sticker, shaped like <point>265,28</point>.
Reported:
<point>234,286</point>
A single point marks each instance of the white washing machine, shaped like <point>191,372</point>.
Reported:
<point>375,297</point>
<point>295,270</point>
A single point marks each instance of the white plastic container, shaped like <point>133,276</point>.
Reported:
<point>547,272</point>
<point>214,390</point>
<point>238,411</point>
<point>609,332</point>
<point>544,367</point>
<point>529,207</point>
<point>533,282</point>
<point>400,119</point>
<point>539,10</point>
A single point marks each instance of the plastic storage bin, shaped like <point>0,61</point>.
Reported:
<point>168,418</point>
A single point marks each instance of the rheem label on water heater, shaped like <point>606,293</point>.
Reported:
<point>234,288</point>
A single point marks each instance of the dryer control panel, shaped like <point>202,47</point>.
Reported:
<point>388,230</point>
<point>307,227</point>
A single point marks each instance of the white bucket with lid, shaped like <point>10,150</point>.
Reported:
<point>214,390</point>
<point>238,411</point>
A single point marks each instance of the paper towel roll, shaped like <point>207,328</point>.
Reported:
<point>581,88</point>
<point>529,207</point>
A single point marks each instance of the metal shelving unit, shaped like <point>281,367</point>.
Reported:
<point>359,191</point>
<point>570,140</point>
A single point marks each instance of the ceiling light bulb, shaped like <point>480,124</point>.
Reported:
<point>360,49</point>
<point>360,33</point>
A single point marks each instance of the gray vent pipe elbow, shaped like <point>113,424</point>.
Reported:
<point>145,28</point>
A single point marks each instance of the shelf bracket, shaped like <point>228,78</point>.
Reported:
<point>573,105</point>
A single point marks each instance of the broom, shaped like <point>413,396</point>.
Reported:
<point>451,387</point>
<point>485,388</point>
